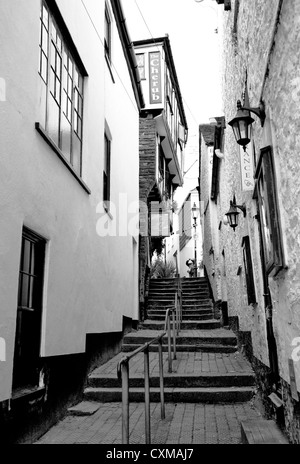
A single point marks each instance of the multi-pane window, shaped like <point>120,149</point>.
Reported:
<point>106,170</point>
<point>31,269</point>
<point>265,192</point>
<point>62,98</point>
<point>107,33</point>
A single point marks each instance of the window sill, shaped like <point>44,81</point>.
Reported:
<point>108,62</point>
<point>29,393</point>
<point>60,154</point>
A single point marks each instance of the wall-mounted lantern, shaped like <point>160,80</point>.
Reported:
<point>233,213</point>
<point>242,121</point>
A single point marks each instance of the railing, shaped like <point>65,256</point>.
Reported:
<point>123,372</point>
<point>123,369</point>
<point>168,330</point>
<point>178,304</point>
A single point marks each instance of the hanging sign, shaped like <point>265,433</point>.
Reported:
<point>155,77</point>
<point>247,168</point>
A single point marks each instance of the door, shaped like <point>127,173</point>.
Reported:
<point>272,346</point>
<point>29,311</point>
<point>270,243</point>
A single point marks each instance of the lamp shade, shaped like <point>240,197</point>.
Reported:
<point>232,216</point>
<point>241,125</point>
<point>195,211</point>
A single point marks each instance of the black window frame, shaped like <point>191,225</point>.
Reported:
<point>248,268</point>
<point>107,171</point>
<point>107,33</point>
<point>266,194</point>
<point>29,310</point>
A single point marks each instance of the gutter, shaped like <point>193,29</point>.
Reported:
<point>129,52</point>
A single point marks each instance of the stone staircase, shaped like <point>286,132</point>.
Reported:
<point>208,367</point>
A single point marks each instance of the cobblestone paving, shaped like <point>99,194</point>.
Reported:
<point>185,423</point>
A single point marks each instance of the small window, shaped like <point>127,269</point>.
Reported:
<point>107,34</point>
<point>106,170</point>
<point>265,193</point>
<point>140,58</point>
<point>248,270</point>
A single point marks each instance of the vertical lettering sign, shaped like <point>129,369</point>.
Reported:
<point>155,77</point>
<point>247,169</point>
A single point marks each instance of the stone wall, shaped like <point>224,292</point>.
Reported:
<point>261,50</point>
<point>147,148</point>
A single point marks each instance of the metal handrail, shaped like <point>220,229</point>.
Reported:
<point>123,372</point>
<point>123,368</point>
<point>170,310</point>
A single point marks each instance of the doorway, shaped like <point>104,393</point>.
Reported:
<point>29,311</point>
<point>271,250</point>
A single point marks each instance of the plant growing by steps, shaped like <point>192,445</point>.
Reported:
<point>160,269</point>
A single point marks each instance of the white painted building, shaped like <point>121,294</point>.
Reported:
<point>69,141</point>
<point>186,241</point>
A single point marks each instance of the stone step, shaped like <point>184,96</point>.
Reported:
<point>199,348</point>
<point>185,302</point>
<point>173,395</point>
<point>185,312</point>
<point>198,304</point>
<point>186,325</point>
<point>185,295</point>
<point>262,432</point>
<point>236,379</point>
<point>185,317</point>
<point>194,338</point>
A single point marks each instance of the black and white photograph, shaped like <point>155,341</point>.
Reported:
<point>150,225</point>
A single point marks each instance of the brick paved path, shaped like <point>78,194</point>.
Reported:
<point>185,423</point>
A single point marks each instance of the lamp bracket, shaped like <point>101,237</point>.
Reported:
<point>259,111</point>
<point>241,207</point>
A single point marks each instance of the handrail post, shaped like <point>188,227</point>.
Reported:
<point>125,402</point>
<point>174,334</point>
<point>161,378</point>
<point>147,396</point>
<point>177,313</point>
<point>169,343</point>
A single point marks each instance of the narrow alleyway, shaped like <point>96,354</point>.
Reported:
<point>207,395</point>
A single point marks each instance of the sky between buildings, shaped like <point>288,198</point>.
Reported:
<point>195,45</point>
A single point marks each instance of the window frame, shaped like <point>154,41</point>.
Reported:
<point>248,269</point>
<point>37,255</point>
<point>107,170</point>
<point>107,33</point>
<point>67,135</point>
<point>265,193</point>
<point>141,63</point>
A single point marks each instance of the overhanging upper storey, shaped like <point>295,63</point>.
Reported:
<point>163,99</point>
